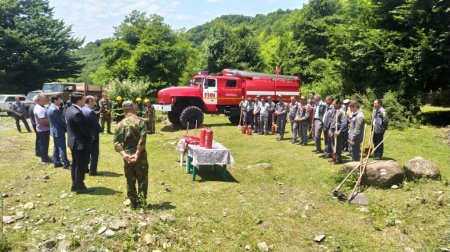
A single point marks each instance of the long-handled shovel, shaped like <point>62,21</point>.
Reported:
<point>363,170</point>
<point>240,120</point>
<point>354,169</point>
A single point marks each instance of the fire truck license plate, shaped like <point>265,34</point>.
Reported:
<point>164,108</point>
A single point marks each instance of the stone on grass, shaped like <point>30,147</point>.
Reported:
<point>263,166</point>
<point>101,230</point>
<point>109,233</point>
<point>265,224</point>
<point>364,209</point>
<point>382,174</point>
<point>64,245</point>
<point>360,199</point>
<point>18,226</point>
<point>167,218</point>
<point>319,238</point>
<point>46,177</point>
<point>419,167</point>
<point>29,205</point>
<point>118,224</point>
<point>248,247</point>
<point>19,215</point>
<point>127,202</point>
<point>4,195</point>
<point>149,239</point>
<point>8,219</point>
<point>262,246</point>
<point>40,221</point>
<point>49,244</point>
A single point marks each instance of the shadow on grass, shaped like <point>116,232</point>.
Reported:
<point>436,118</point>
<point>161,206</point>
<point>171,128</point>
<point>104,191</point>
<point>206,174</point>
<point>111,174</point>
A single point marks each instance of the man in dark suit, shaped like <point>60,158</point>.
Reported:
<point>95,130</point>
<point>58,128</point>
<point>79,141</point>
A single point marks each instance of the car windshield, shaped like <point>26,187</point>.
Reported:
<point>2,98</point>
<point>49,88</point>
<point>196,82</point>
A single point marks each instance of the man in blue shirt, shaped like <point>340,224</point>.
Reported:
<point>58,128</point>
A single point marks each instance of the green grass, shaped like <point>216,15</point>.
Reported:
<point>294,197</point>
<point>429,108</point>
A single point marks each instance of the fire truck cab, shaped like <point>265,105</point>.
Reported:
<point>221,94</point>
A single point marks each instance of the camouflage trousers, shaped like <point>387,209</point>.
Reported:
<point>137,172</point>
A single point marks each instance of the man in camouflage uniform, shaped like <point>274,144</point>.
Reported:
<point>149,112</point>
<point>129,140</point>
<point>105,113</point>
<point>356,131</point>
<point>118,110</point>
<point>281,113</point>
<point>139,107</point>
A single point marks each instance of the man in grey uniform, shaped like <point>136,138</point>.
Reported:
<point>326,126</point>
<point>249,112</point>
<point>356,132</point>
<point>256,111</point>
<point>345,134</point>
<point>337,128</point>
<point>19,112</point>
<point>318,112</point>
<point>281,113</point>
<point>303,114</point>
<point>379,124</point>
<point>292,111</point>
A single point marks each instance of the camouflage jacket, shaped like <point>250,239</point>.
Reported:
<point>105,108</point>
<point>130,135</point>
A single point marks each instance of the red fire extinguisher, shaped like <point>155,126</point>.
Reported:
<point>249,129</point>
<point>208,138</point>
<point>202,137</point>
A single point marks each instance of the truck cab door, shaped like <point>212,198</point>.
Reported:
<point>210,92</point>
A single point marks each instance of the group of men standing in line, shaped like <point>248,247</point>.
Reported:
<point>79,117</point>
<point>342,124</point>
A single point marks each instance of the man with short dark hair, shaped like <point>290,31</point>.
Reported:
<point>318,112</point>
<point>291,112</point>
<point>18,110</point>
<point>58,128</point>
<point>281,114</point>
<point>79,141</point>
<point>129,140</point>
<point>379,124</point>
<point>326,127</point>
<point>95,130</point>
<point>42,127</point>
<point>356,131</point>
<point>337,128</point>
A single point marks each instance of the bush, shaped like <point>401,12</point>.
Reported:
<point>129,90</point>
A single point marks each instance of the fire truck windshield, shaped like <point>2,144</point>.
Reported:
<point>196,82</point>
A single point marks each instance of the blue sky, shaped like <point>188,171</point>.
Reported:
<point>95,19</point>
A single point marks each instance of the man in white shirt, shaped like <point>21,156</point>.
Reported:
<point>42,127</point>
<point>264,117</point>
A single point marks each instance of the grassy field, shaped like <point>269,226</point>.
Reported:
<point>286,206</point>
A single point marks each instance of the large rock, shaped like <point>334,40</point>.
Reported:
<point>381,174</point>
<point>419,167</point>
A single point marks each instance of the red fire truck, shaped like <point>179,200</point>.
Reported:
<point>221,94</point>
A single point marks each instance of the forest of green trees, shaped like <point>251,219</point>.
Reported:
<point>374,48</point>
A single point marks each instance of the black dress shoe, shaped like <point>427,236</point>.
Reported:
<point>85,191</point>
<point>58,165</point>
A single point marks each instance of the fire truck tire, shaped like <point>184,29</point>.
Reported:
<point>234,119</point>
<point>174,118</point>
<point>191,114</point>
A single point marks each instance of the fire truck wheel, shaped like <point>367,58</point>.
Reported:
<point>234,119</point>
<point>191,114</point>
<point>174,118</point>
